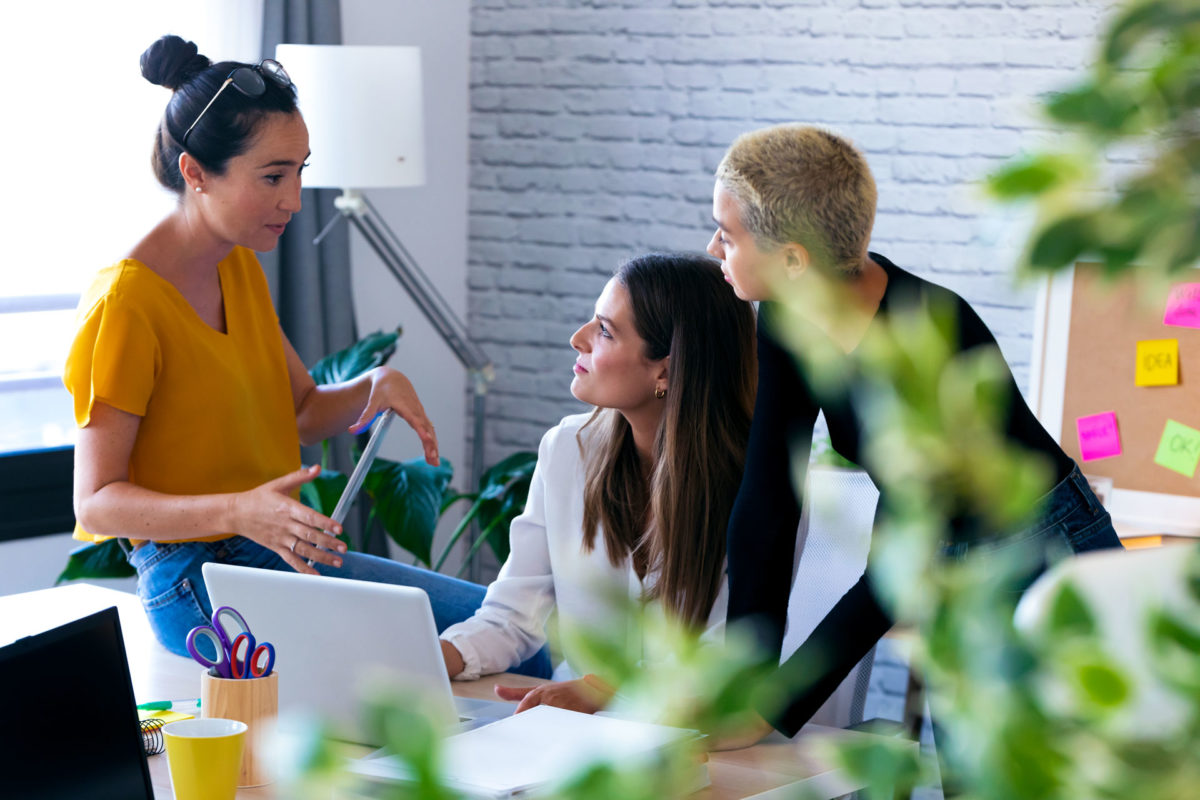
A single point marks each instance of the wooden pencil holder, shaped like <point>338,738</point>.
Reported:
<point>254,701</point>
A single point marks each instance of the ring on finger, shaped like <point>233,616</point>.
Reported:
<point>294,543</point>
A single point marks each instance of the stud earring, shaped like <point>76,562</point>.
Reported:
<point>660,393</point>
<point>199,189</point>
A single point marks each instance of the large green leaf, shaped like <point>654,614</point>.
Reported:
<point>367,353</point>
<point>1062,241</point>
<point>408,501</point>
<point>1095,106</point>
<point>1033,176</point>
<point>103,560</point>
<point>1141,22</point>
<point>1102,683</point>
<point>1070,615</point>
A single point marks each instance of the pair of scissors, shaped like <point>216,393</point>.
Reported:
<point>252,665</point>
<point>226,643</point>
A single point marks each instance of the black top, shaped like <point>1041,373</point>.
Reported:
<point>763,524</point>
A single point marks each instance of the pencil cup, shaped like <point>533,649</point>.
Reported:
<point>254,701</point>
<point>204,755</point>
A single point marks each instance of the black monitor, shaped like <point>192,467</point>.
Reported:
<point>68,720</point>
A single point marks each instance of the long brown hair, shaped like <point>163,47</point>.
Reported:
<point>674,524</point>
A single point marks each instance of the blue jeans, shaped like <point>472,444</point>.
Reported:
<point>1069,520</point>
<point>171,587</point>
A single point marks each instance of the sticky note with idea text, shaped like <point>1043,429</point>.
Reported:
<point>1157,362</point>
<point>1179,448</point>
<point>1183,306</point>
<point>1098,436</point>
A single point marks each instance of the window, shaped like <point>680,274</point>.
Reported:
<point>78,192</point>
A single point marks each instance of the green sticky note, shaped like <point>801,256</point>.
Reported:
<point>1179,448</point>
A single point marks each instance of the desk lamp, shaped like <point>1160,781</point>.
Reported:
<point>363,107</point>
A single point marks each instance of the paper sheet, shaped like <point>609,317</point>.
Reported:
<point>536,748</point>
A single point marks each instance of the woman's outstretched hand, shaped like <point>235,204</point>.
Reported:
<point>391,389</point>
<point>749,731</point>
<point>587,695</point>
<point>267,514</point>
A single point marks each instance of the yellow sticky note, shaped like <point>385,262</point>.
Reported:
<point>1157,362</point>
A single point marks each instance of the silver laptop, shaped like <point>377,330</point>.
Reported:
<point>335,637</point>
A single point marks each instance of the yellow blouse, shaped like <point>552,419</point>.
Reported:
<point>216,408</point>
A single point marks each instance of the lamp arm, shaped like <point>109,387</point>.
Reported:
<point>395,256</point>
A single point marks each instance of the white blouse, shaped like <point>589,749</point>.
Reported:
<point>547,566</point>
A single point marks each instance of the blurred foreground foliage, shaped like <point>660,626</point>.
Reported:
<point>1141,100</point>
<point>1029,716</point>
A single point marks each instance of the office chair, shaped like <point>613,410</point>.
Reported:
<point>1122,589</point>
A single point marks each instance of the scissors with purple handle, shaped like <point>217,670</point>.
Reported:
<point>220,638</point>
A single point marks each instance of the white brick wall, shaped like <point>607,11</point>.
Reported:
<point>596,127</point>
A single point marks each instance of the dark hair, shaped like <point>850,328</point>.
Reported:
<point>227,128</point>
<point>674,524</point>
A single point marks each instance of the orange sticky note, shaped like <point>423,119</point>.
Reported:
<point>1157,362</point>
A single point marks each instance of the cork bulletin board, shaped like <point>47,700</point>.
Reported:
<point>1086,360</point>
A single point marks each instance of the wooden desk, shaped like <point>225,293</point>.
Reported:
<point>776,767</point>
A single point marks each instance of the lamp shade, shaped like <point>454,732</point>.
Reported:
<point>363,107</point>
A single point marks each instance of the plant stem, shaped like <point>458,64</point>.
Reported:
<point>483,535</point>
<point>472,512</point>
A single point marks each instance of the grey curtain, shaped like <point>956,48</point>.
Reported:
<point>311,284</point>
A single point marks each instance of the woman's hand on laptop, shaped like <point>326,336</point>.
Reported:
<point>269,515</point>
<point>588,695</point>
<point>392,389</point>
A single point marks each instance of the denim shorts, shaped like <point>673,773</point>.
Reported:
<point>171,587</point>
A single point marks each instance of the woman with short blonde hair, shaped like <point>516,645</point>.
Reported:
<point>794,207</point>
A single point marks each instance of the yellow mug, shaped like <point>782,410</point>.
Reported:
<point>205,756</point>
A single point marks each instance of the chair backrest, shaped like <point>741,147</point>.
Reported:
<point>832,543</point>
<point>1122,590</point>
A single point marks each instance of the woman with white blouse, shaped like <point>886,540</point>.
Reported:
<point>633,499</point>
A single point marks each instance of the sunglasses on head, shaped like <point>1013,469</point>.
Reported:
<point>250,81</point>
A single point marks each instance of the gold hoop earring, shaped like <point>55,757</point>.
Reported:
<point>660,393</point>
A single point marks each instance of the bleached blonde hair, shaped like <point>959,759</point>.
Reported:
<point>803,184</point>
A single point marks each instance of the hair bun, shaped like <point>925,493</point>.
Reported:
<point>172,62</point>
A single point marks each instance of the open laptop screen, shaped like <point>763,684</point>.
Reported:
<point>69,722</point>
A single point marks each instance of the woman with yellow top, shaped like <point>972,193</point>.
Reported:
<point>192,404</point>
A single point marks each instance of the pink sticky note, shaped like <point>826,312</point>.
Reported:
<point>1183,306</point>
<point>1098,436</point>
